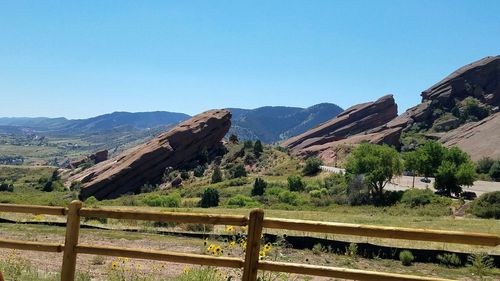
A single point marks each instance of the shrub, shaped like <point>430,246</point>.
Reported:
<point>166,201</point>
<point>406,257</point>
<point>487,205</point>
<point>217,175</point>
<point>317,249</point>
<point>357,192</point>
<point>289,197</point>
<point>449,260</point>
<point>199,171</point>
<point>352,250</point>
<point>238,171</point>
<point>318,193</point>
<point>210,198</point>
<point>242,201</point>
<point>312,166</point>
<point>418,197</point>
<point>259,187</point>
<point>484,165</point>
<point>185,175</point>
<point>48,187</point>
<point>6,187</point>
<point>481,264</point>
<point>295,183</point>
<point>495,171</point>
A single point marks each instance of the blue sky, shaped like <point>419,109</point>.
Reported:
<point>83,58</point>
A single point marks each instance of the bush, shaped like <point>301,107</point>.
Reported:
<point>495,171</point>
<point>406,257</point>
<point>210,198</point>
<point>312,166</point>
<point>357,192</point>
<point>295,183</point>
<point>289,197</point>
<point>185,175</point>
<point>449,260</point>
<point>418,197</point>
<point>242,201</point>
<point>165,201</point>
<point>217,175</point>
<point>481,264</point>
<point>259,187</point>
<point>484,165</point>
<point>6,187</point>
<point>487,205</point>
<point>238,171</point>
<point>318,193</point>
<point>199,171</point>
<point>48,187</point>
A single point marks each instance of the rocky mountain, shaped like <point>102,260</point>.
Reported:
<point>106,122</point>
<point>461,110</point>
<point>146,163</point>
<point>269,124</point>
<point>275,123</point>
<point>362,122</point>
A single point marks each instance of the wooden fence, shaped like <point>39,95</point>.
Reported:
<point>250,263</point>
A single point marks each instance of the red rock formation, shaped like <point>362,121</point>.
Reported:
<point>478,139</point>
<point>363,122</point>
<point>96,158</point>
<point>146,163</point>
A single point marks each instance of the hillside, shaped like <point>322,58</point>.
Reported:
<point>275,123</point>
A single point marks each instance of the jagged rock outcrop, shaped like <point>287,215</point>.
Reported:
<point>479,80</point>
<point>362,122</point>
<point>146,163</point>
<point>96,158</point>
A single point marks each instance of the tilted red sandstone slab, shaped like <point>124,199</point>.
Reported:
<point>146,163</point>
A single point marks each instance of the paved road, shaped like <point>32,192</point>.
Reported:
<point>405,182</point>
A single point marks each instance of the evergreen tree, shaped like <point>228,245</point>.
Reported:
<point>217,175</point>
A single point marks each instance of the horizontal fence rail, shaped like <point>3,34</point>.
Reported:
<point>251,263</point>
<point>31,209</point>
<point>165,216</point>
<point>478,239</point>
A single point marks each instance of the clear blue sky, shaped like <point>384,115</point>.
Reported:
<point>83,58</point>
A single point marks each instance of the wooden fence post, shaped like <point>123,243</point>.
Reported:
<point>253,245</point>
<point>72,234</point>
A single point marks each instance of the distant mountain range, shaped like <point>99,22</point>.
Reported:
<point>269,124</point>
<point>275,123</point>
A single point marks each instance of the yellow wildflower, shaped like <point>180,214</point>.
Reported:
<point>114,265</point>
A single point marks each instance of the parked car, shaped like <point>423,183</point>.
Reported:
<point>426,180</point>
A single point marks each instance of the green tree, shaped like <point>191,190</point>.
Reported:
<point>216,175</point>
<point>199,171</point>
<point>210,198</point>
<point>412,164</point>
<point>378,163</point>
<point>484,165</point>
<point>295,183</point>
<point>238,171</point>
<point>312,166</point>
<point>259,187</point>
<point>430,157</point>
<point>258,148</point>
<point>455,171</point>
<point>495,171</point>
